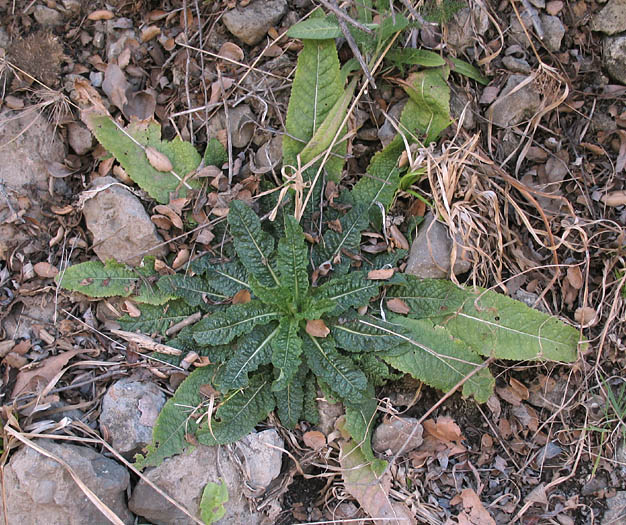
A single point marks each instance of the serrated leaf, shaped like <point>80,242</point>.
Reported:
<point>360,423</point>
<point>309,410</point>
<point>239,413</point>
<point>222,327</point>
<point>415,57</point>
<point>127,148</point>
<point>463,68</point>
<point>250,352</point>
<point>435,357</point>
<point>337,370</point>
<point>175,419</point>
<point>292,261</point>
<point>348,291</point>
<point>194,290</point>
<point>314,308</point>
<point>289,400</point>
<point>349,238</point>
<point>491,323</point>
<point>286,350</point>
<point>364,334</point>
<point>214,496</point>
<point>157,318</point>
<point>95,279</point>
<point>315,29</point>
<point>253,246</point>
<point>226,278</point>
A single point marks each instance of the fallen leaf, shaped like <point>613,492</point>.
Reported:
<point>158,160</point>
<point>131,309</point>
<point>398,306</point>
<point>585,315</point>
<point>444,429</point>
<point>115,85</point>
<point>614,198</point>
<point>171,214</point>
<point>181,258</point>
<point>100,14</point>
<point>519,388</point>
<point>398,238</point>
<point>474,512</point>
<point>314,439</point>
<point>317,328</point>
<point>45,270</point>
<point>38,378</point>
<point>377,275</point>
<point>242,297</point>
<point>149,33</point>
<point>575,277</point>
<point>231,51</point>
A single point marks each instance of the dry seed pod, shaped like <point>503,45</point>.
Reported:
<point>158,160</point>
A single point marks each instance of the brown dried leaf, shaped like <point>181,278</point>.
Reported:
<point>100,14</point>
<point>317,328</point>
<point>519,388</point>
<point>377,275</point>
<point>398,306</point>
<point>149,33</point>
<point>314,439</point>
<point>586,315</point>
<point>231,51</point>
<point>171,214</point>
<point>398,238</point>
<point>158,160</point>
<point>115,85</point>
<point>242,297</point>
<point>614,198</point>
<point>181,258</point>
<point>38,378</point>
<point>474,512</point>
<point>575,277</point>
<point>45,270</point>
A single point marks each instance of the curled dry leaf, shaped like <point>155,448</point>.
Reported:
<point>377,275</point>
<point>398,238</point>
<point>314,439</point>
<point>586,315</point>
<point>100,14</point>
<point>398,306</point>
<point>35,379</point>
<point>242,297</point>
<point>317,328</point>
<point>131,309</point>
<point>231,51</point>
<point>170,214</point>
<point>575,277</point>
<point>614,198</point>
<point>158,160</point>
<point>45,270</point>
<point>181,258</point>
<point>149,33</point>
<point>519,388</point>
<point>474,511</point>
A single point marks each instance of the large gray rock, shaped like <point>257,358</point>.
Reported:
<point>515,104</point>
<point>614,57</point>
<point>121,228</point>
<point>554,31</point>
<point>184,477</point>
<point>39,491</point>
<point>129,411</point>
<point>29,144</point>
<point>251,23</point>
<point>611,19</point>
<point>615,513</point>
<point>430,252</point>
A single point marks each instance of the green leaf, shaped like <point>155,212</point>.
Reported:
<point>390,25</point>
<point>99,280</point>
<point>364,334</point>
<point>349,291</point>
<point>315,29</point>
<point>214,496</point>
<point>360,423</point>
<point>491,323</point>
<point>463,68</point>
<point>239,413</point>
<point>415,57</point>
<point>292,261</point>
<point>226,278</point>
<point>176,419</point>
<point>289,400</point>
<point>253,246</point>
<point>435,357</point>
<point>215,154</point>
<point>314,308</point>
<point>349,238</point>
<point>337,370</point>
<point>222,327</point>
<point>127,148</point>
<point>250,352</point>
<point>286,350</point>
<point>309,409</point>
<point>192,289</point>
<point>430,92</point>
<point>157,318</point>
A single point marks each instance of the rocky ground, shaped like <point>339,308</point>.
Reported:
<point>532,174</point>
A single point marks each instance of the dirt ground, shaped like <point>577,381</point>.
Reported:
<point>534,187</point>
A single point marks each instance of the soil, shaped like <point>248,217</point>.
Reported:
<point>530,199</point>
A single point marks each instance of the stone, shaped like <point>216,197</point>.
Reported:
<point>184,477</point>
<point>129,411</point>
<point>614,57</point>
<point>517,34</point>
<point>616,509</point>
<point>554,31</point>
<point>47,17</point>
<point>252,22</point>
<point>554,7</point>
<point>431,250</point>
<point>121,228</point>
<point>516,65</point>
<point>40,491</point>
<point>29,145</point>
<point>261,455</point>
<point>397,433</point>
<point>4,38</point>
<point>611,19</point>
<point>513,106</point>
<point>79,137</point>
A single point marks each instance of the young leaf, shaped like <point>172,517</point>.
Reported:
<point>192,289</point>
<point>253,246</point>
<point>286,350</point>
<point>214,496</point>
<point>463,68</point>
<point>292,261</point>
<point>99,280</point>
<point>222,327</point>
<point>337,370</point>
<point>349,291</point>
<point>239,413</point>
<point>315,29</point>
<point>250,352</point>
<point>175,419</point>
<point>433,356</point>
<point>128,148</point>
<point>157,319</point>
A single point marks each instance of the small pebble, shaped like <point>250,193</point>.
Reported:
<point>554,7</point>
<point>98,40</point>
<point>96,78</point>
